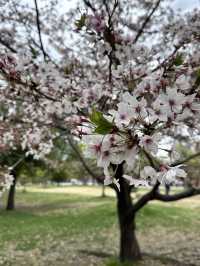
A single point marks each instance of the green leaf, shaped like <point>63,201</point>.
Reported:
<point>197,82</point>
<point>104,129</point>
<point>34,52</point>
<point>103,126</point>
<point>96,117</point>
<point>80,23</point>
<point>178,61</point>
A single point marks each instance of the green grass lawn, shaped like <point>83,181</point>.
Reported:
<point>64,228</point>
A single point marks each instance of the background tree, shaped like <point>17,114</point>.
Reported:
<point>18,164</point>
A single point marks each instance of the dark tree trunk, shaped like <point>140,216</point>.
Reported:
<point>103,194</point>
<point>167,189</point>
<point>129,247</point>
<point>11,195</point>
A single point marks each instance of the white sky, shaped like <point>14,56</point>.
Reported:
<point>186,4</point>
<point>182,4</point>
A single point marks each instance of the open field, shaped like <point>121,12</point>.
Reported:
<point>75,226</point>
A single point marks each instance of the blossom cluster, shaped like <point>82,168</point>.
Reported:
<point>122,97</point>
<point>6,181</point>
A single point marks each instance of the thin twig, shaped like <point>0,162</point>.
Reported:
<point>148,18</point>
<point>189,158</point>
<point>7,45</point>
<point>39,29</point>
<point>88,4</point>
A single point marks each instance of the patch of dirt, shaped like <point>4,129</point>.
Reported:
<point>182,247</point>
<point>160,247</point>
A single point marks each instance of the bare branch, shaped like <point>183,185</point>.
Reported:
<point>151,160</point>
<point>178,196</point>
<point>144,200</point>
<point>185,160</point>
<point>107,7</point>
<point>154,194</point>
<point>116,3</point>
<point>47,55</point>
<point>32,86</point>
<point>88,4</point>
<point>7,45</point>
<point>76,150</point>
<point>166,63</point>
<point>146,21</point>
<point>39,29</point>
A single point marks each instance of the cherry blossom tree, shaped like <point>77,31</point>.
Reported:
<point>127,86</point>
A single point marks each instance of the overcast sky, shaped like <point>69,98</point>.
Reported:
<point>186,4</point>
<point>182,4</point>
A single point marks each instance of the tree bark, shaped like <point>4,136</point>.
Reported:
<point>11,195</point>
<point>103,194</point>
<point>167,189</point>
<point>129,247</point>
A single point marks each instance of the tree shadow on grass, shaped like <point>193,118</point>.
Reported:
<point>145,257</point>
<point>166,259</point>
<point>95,253</point>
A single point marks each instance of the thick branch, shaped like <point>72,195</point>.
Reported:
<point>178,196</point>
<point>154,194</point>
<point>144,199</point>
